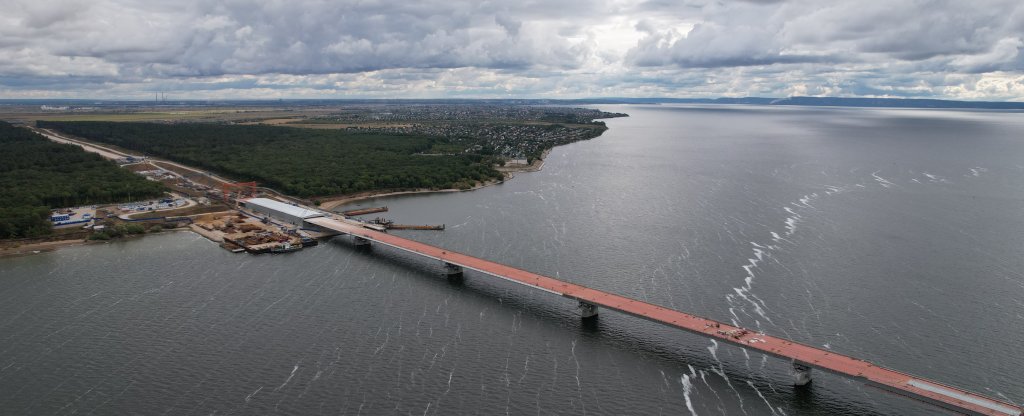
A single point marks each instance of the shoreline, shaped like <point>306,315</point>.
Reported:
<point>508,172</point>
<point>40,247</point>
<point>536,166</point>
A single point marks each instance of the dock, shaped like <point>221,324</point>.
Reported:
<point>803,357</point>
<point>364,211</point>
<point>390,225</point>
<point>415,227</point>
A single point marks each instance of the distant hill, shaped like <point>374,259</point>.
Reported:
<point>819,101</point>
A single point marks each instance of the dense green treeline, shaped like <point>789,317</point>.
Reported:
<point>37,174</point>
<point>302,162</point>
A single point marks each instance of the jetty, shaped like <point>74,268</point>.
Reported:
<point>364,211</point>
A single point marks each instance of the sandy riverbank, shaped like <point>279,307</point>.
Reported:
<point>331,204</point>
<point>40,247</point>
<point>509,172</point>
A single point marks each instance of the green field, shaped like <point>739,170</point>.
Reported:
<point>123,117</point>
<point>37,175</point>
<point>301,162</point>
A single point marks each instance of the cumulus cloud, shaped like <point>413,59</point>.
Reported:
<point>767,33</point>
<point>313,36</point>
<point>571,48</point>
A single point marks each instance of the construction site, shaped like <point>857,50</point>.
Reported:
<point>260,224</point>
<point>237,232</point>
<point>250,231</point>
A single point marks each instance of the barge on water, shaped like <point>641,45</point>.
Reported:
<point>285,248</point>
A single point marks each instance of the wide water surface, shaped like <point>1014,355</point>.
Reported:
<point>896,236</point>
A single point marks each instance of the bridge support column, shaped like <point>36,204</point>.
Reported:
<point>453,271</point>
<point>587,310</point>
<point>801,374</point>
<point>360,241</point>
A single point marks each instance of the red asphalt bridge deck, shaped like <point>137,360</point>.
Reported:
<point>900,383</point>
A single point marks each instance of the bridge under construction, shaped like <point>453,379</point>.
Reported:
<point>803,357</point>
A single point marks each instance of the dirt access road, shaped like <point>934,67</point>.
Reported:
<point>115,154</point>
<point>88,147</point>
<point>173,167</point>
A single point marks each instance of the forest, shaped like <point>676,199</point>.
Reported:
<point>37,175</point>
<point>301,162</point>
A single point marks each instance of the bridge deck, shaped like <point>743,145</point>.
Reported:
<point>900,383</point>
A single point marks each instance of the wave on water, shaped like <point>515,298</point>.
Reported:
<point>977,171</point>
<point>882,181</point>
<point>743,295</point>
<point>687,389</point>
<point>935,178</point>
<point>720,371</point>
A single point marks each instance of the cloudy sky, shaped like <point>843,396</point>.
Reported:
<point>198,49</point>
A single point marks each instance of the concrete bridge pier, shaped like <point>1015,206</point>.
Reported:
<point>453,271</point>
<point>360,241</point>
<point>801,374</point>
<point>587,310</point>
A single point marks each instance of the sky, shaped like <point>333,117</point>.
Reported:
<point>232,49</point>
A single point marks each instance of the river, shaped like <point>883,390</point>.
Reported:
<point>893,235</point>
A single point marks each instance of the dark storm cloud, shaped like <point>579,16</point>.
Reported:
<point>951,49</point>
